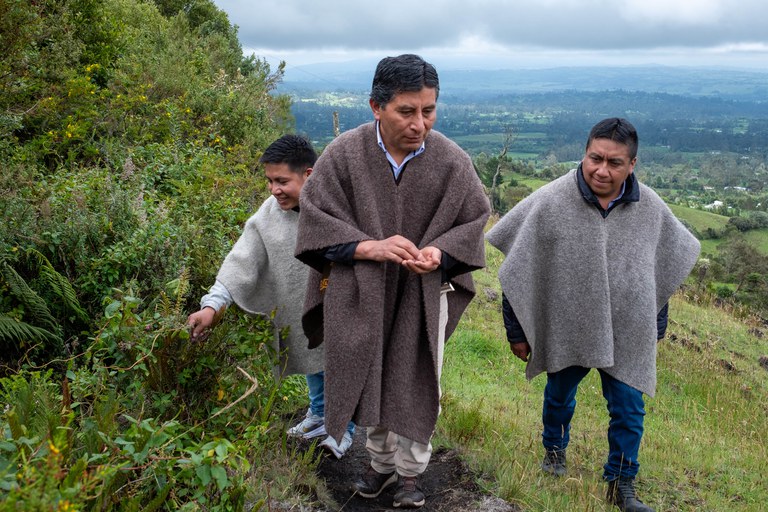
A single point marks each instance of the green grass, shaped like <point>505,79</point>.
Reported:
<point>758,238</point>
<point>710,246</point>
<point>700,219</point>
<point>705,440</point>
<point>533,183</point>
<point>521,155</point>
<point>497,137</point>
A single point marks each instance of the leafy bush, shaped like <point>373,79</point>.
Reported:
<point>144,418</point>
<point>128,138</point>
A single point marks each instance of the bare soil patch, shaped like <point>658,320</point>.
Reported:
<point>449,486</point>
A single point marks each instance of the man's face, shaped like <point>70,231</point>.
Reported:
<point>406,120</point>
<point>285,184</point>
<point>606,166</point>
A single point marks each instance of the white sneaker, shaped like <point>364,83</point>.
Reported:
<point>338,449</point>
<point>311,426</point>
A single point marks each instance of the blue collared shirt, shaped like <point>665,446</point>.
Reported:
<point>621,194</point>
<point>396,169</point>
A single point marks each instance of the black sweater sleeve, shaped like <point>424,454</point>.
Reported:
<point>514,330</point>
<point>661,321</point>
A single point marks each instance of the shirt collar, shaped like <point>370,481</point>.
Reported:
<point>630,191</point>
<point>396,168</point>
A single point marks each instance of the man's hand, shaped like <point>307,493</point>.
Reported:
<point>521,350</point>
<point>431,257</point>
<point>395,248</point>
<point>200,322</point>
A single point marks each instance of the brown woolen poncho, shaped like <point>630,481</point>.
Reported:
<point>379,320</point>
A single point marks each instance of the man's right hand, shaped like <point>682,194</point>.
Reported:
<point>200,322</point>
<point>521,350</point>
<point>395,248</point>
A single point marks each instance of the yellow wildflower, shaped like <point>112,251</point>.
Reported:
<point>66,506</point>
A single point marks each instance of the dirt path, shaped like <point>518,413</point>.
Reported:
<point>448,485</point>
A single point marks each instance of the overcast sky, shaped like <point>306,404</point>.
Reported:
<point>507,33</point>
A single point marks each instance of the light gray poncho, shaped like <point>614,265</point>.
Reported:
<point>262,275</point>
<point>380,320</point>
<point>587,289</point>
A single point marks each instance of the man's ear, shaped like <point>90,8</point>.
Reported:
<point>375,107</point>
<point>307,172</point>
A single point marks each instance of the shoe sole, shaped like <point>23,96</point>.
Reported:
<point>317,432</point>
<point>388,482</point>
<point>412,504</point>
<point>554,472</point>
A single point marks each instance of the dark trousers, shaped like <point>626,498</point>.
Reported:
<point>625,407</point>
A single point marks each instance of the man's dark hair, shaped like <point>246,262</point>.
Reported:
<point>405,73</point>
<point>294,150</point>
<point>616,129</point>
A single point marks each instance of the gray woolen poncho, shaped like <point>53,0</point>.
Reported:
<point>380,320</point>
<point>587,289</point>
<point>262,275</point>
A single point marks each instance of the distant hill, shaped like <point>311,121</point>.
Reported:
<point>724,83</point>
<point>700,220</point>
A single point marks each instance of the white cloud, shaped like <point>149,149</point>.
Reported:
<point>680,12</point>
<point>288,28</point>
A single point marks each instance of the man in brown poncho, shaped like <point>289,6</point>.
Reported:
<point>392,223</point>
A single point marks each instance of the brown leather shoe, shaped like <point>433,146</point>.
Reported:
<point>372,483</point>
<point>621,492</point>
<point>408,493</point>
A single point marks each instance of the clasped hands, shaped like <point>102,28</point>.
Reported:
<point>402,251</point>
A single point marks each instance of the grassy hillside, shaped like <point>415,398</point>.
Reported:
<point>700,219</point>
<point>533,183</point>
<point>704,446</point>
<point>758,238</point>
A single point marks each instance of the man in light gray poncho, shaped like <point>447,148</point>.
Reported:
<point>392,223</point>
<point>591,262</point>
<point>260,274</point>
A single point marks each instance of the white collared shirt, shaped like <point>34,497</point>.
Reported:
<point>396,169</point>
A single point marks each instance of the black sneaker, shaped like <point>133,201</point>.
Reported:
<point>372,483</point>
<point>621,492</point>
<point>408,493</point>
<point>554,462</point>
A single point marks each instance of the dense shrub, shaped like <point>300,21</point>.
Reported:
<point>129,137</point>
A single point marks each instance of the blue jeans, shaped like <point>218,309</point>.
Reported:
<point>625,407</point>
<point>316,385</point>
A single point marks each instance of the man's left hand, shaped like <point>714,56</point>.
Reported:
<point>429,261</point>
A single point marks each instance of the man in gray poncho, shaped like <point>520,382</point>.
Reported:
<point>591,262</point>
<point>260,274</point>
<point>392,223</point>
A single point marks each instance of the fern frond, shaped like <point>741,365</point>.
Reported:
<point>181,291</point>
<point>12,330</point>
<point>59,284</point>
<point>37,307</point>
<point>159,500</point>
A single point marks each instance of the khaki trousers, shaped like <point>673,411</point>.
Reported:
<point>392,452</point>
